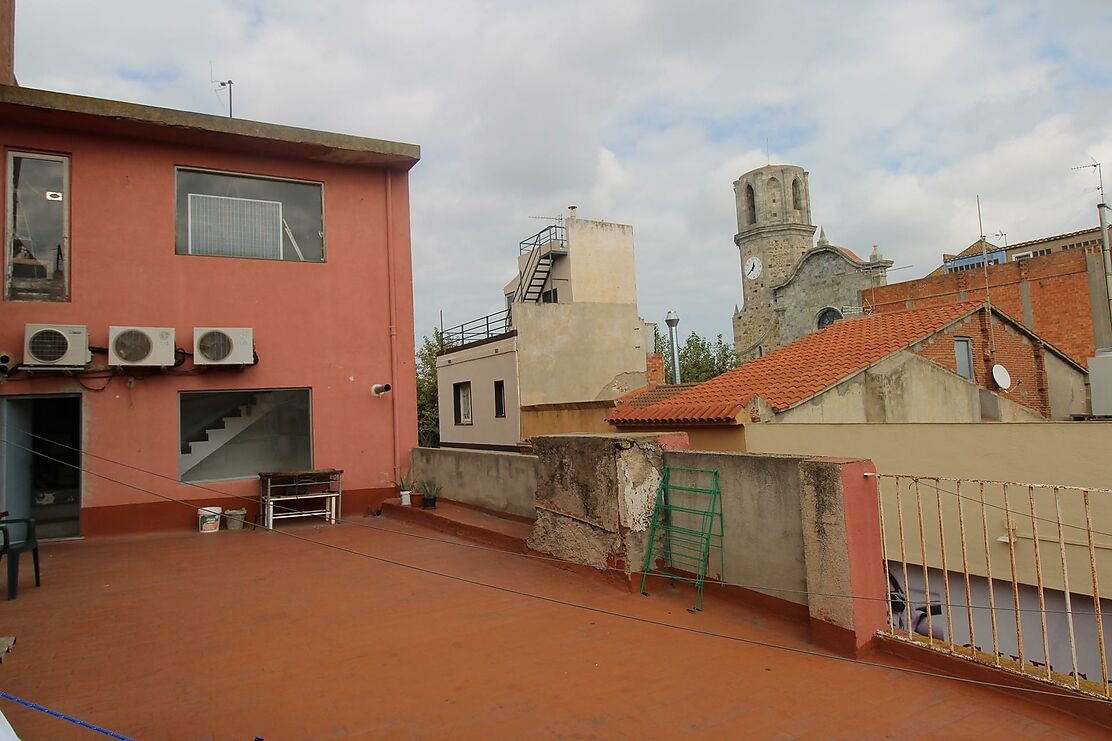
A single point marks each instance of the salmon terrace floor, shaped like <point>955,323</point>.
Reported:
<point>247,633</point>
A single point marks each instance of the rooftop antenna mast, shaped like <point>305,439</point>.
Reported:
<point>221,84</point>
<point>984,263</point>
<point>1102,209</point>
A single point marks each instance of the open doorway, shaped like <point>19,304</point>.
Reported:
<point>41,476</point>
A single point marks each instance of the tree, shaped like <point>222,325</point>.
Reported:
<point>700,360</point>
<point>428,406</point>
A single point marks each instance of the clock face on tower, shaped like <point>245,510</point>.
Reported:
<point>752,268</point>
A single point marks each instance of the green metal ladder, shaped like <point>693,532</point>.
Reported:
<point>682,534</point>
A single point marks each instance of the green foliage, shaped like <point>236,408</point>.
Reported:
<point>430,489</point>
<point>428,411</point>
<point>700,360</point>
<point>407,483</point>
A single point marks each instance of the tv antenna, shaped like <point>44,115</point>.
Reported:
<point>220,85</point>
<point>1003,235</point>
<point>1100,177</point>
<point>554,219</point>
<point>984,263</point>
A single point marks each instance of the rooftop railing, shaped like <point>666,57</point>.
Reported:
<point>554,233</point>
<point>482,328</point>
<point>1004,574</point>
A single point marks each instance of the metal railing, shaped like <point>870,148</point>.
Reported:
<point>554,233</point>
<point>482,328</point>
<point>1001,573</point>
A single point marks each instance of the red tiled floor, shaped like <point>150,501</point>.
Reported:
<point>240,634</point>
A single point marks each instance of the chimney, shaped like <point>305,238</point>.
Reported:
<point>7,42</point>
<point>571,209</point>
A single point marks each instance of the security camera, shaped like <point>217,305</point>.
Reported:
<point>379,389</point>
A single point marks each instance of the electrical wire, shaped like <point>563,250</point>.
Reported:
<point>539,557</point>
<point>597,610</point>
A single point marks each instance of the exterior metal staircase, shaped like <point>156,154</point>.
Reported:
<point>227,429</point>
<point>543,247</point>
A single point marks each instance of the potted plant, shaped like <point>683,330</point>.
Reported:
<point>429,492</point>
<point>405,489</point>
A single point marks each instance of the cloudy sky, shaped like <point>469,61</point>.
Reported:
<point>642,113</point>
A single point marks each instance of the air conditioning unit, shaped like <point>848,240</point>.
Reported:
<point>223,346</point>
<point>56,346</point>
<point>150,346</point>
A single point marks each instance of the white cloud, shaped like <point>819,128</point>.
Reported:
<point>644,113</point>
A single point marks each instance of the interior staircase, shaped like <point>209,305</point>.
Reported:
<point>227,429</point>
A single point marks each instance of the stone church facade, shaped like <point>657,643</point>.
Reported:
<point>791,286</point>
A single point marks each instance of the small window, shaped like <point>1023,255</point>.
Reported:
<point>237,434</point>
<point>462,402</point>
<point>550,297</point>
<point>499,398</point>
<point>797,197</point>
<point>828,317</point>
<point>37,236</point>
<point>963,355</point>
<point>243,216</point>
<point>750,205</point>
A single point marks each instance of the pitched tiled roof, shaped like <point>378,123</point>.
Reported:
<point>799,370</point>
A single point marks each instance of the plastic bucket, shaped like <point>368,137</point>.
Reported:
<point>235,518</point>
<point>406,501</point>
<point>208,519</point>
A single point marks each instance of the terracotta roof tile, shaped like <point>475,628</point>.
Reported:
<point>799,370</point>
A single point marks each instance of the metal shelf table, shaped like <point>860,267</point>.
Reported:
<point>281,490</point>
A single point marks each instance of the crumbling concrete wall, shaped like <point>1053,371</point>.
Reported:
<point>595,496</point>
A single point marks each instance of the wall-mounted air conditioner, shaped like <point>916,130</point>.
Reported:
<point>151,346</point>
<point>223,346</point>
<point>56,346</point>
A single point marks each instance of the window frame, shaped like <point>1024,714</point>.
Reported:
<point>254,176</point>
<point>9,222</point>
<point>499,399</point>
<point>967,342</point>
<point>457,404</point>
<point>184,392</point>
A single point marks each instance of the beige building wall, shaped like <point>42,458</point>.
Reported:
<point>601,267</point>
<point>907,388</point>
<point>1067,389</point>
<point>481,365</point>
<point>562,419</point>
<point>578,352</point>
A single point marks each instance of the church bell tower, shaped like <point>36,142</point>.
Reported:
<point>774,230</point>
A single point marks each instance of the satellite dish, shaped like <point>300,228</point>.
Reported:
<point>1001,376</point>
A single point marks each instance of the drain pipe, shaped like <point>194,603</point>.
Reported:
<point>673,320</point>
<point>392,289</point>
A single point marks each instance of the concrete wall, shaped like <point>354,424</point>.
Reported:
<point>321,325</point>
<point>559,419</point>
<point>600,256</point>
<point>482,365</point>
<point>1066,388</point>
<point>579,351</point>
<point>761,517</point>
<point>505,482</point>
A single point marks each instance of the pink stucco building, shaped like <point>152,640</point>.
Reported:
<point>138,218</point>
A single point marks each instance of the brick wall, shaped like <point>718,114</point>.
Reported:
<point>654,368</point>
<point>1058,308</point>
<point>1017,352</point>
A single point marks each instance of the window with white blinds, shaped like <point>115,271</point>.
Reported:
<point>229,215</point>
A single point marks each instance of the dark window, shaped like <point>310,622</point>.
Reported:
<point>750,205</point>
<point>499,398</point>
<point>550,297</point>
<point>37,238</point>
<point>244,216</point>
<point>236,434</point>
<point>828,317</point>
<point>797,198</point>
<point>963,356</point>
<point>461,397</point>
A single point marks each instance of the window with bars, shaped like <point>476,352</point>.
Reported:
<point>229,215</point>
